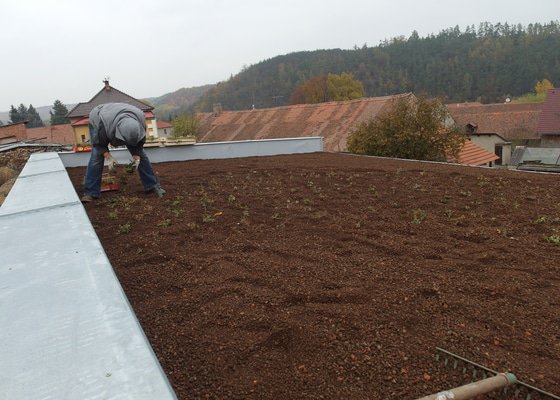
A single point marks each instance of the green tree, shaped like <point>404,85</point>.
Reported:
<point>15,116</point>
<point>185,125</point>
<point>58,113</point>
<point>415,128</point>
<point>344,87</point>
<point>34,118</point>
<point>23,113</point>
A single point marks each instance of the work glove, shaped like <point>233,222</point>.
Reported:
<point>112,164</point>
<point>136,164</point>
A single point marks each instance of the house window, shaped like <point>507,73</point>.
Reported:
<point>165,132</point>
<point>83,138</point>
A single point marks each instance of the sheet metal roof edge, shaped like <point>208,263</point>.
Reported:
<point>82,338</point>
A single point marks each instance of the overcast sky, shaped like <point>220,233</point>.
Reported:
<point>62,49</point>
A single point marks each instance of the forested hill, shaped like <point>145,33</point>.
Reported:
<point>175,103</point>
<point>487,63</point>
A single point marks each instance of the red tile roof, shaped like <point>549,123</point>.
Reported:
<point>549,120</point>
<point>472,154</point>
<point>512,121</point>
<point>163,124</point>
<point>334,121</point>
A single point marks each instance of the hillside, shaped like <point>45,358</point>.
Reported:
<point>171,104</point>
<point>485,64</point>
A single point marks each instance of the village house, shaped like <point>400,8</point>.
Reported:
<point>164,129</point>
<point>548,127</point>
<point>511,123</point>
<point>79,115</point>
<point>334,121</point>
<point>491,142</point>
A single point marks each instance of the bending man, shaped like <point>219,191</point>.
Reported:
<point>118,124</point>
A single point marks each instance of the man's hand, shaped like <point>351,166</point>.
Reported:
<point>135,162</point>
<point>111,162</point>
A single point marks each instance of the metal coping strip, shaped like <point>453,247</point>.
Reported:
<point>35,210</point>
<point>42,173</point>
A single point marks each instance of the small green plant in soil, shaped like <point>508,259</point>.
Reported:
<point>124,229</point>
<point>192,226</point>
<point>207,218</point>
<point>540,220</point>
<point>129,168</point>
<point>164,223</point>
<point>445,199</point>
<point>554,239</point>
<point>418,215</point>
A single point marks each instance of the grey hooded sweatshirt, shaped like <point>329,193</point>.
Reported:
<point>118,124</point>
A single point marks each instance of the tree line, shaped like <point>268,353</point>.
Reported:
<point>32,117</point>
<point>486,64</point>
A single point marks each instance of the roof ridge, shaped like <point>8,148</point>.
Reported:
<point>326,103</point>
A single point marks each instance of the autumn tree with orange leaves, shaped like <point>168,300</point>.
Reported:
<point>331,87</point>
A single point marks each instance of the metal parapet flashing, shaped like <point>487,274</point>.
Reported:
<point>210,151</point>
<point>67,330</point>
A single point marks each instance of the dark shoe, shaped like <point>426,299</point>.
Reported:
<point>87,198</point>
<point>158,190</point>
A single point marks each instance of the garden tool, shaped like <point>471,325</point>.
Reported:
<point>512,388</point>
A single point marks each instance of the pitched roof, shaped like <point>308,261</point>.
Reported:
<point>163,124</point>
<point>106,95</point>
<point>472,154</point>
<point>85,121</point>
<point>334,121</point>
<point>511,121</point>
<point>549,120</point>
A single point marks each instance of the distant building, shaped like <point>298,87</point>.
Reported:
<point>13,132</point>
<point>515,123</point>
<point>61,134</point>
<point>548,127</point>
<point>164,129</point>
<point>491,142</point>
<point>334,121</point>
<point>474,155</point>
<point>79,115</point>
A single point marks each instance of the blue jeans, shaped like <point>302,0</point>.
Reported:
<point>92,183</point>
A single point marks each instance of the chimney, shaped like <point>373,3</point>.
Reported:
<point>106,82</point>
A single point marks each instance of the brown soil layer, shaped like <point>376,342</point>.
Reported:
<point>334,276</point>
